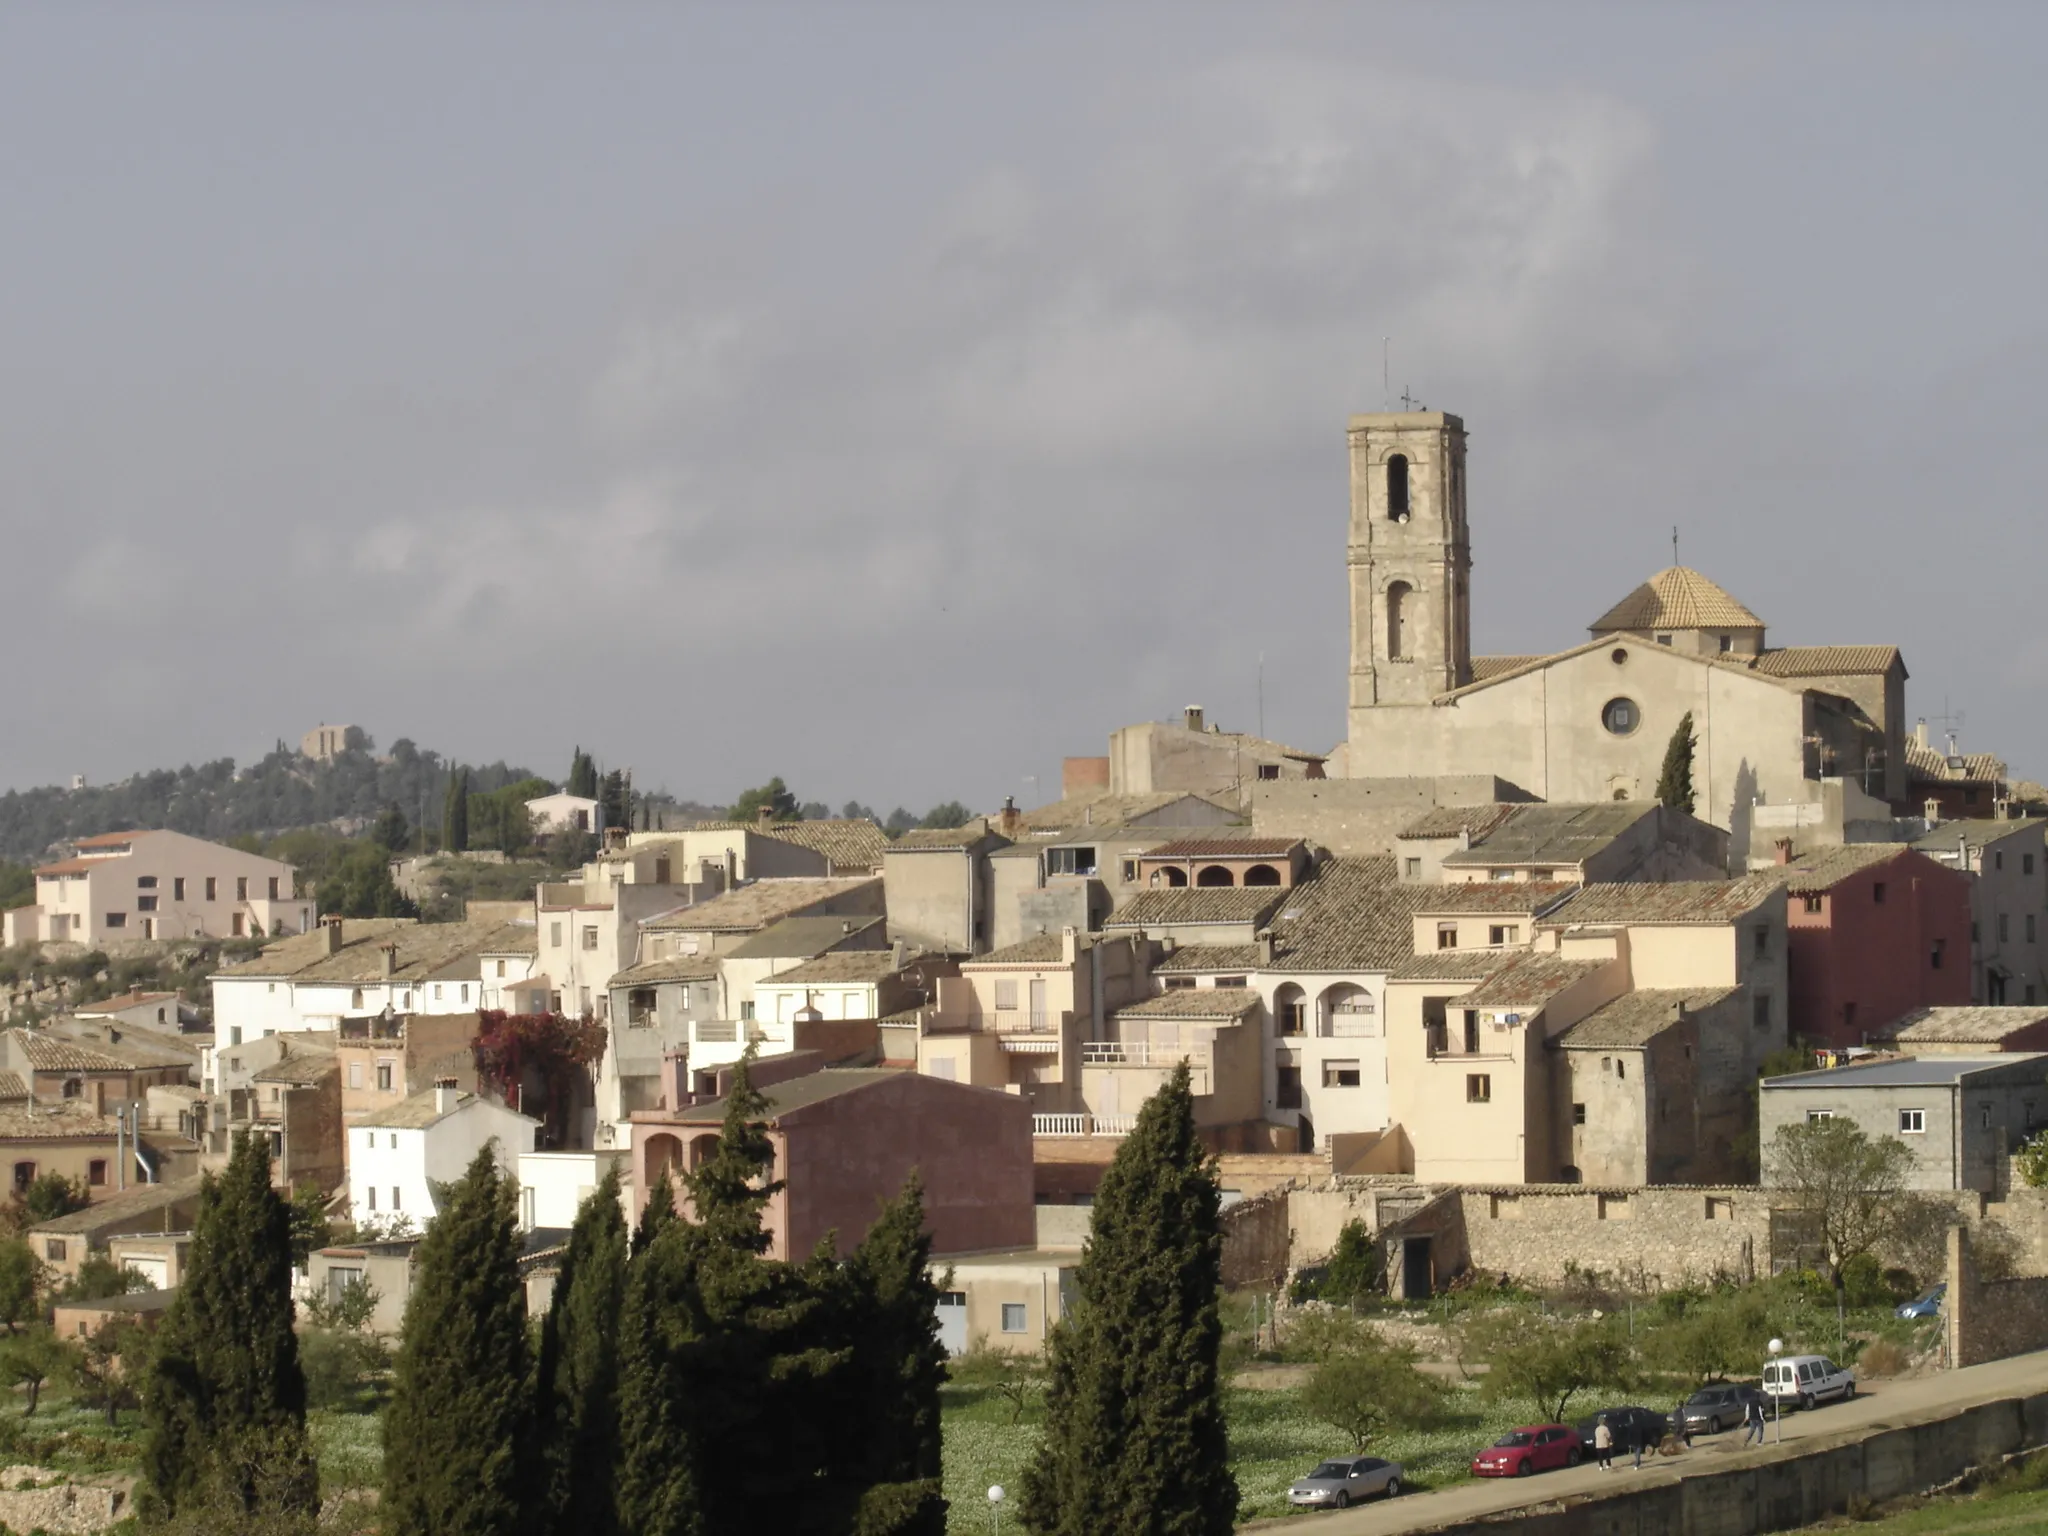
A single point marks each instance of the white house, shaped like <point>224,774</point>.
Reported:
<point>159,885</point>
<point>552,1185</point>
<point>564,812</point>
<point>396,1155</point>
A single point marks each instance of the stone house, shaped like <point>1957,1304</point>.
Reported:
<point>1968,1031</point>
<point>940,886</point>
<point>63,1243</point>
<point>2008,903</point>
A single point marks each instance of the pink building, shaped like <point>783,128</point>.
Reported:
<point>845,1140</point>
<point>1876,930</point>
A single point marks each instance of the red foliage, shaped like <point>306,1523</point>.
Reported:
<point>509,1045</point>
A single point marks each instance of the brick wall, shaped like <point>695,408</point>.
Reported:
<point>1990,1319</point>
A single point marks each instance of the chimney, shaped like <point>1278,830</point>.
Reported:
<point>390,954</point>
<point>446,1095</point>
<point>898,952</point>
<point>615,837</point>
<point>1194,717</point>
<point>1265,941</point>
<point>732,869</point>
<point>1932,810</point>
<point>763,815</point>
<point>2001,809</point>
<point>1010,821</point>
<point>331,928</point>
<point>1783,846</point>
<point>1464,837</point>
<point>675,1079</point>
<point>1920,733</point>
<point>1070,945</point>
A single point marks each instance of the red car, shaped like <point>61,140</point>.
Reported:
<point>1535,1448</point>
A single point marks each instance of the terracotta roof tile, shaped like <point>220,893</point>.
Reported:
<point>1677,598</point>
<point>1964,1026</point>
<point>67,1119</point>
<point>850,845</point>
<point>1194,1003</point>
<point>1450,965</point>
<point>1529,981</point>
<point>1677,901</point>
<point>1039,949</point>
<point>1486,667</point>
<point>1451,820</point>
<point>1824,868</point>
<point>1828,660</point>
<point>1524,897</point>
<point>1186,904</point>
<point>1222,845</point>
<point>52,1053</point>
<point>846,965</point>
<point>1200,959</point>
<point>676,968</point>
<point>1636,1018</point>
<point>758,904</point>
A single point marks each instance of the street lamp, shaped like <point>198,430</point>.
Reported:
<point>995,1507</point>
<point>1776,1346</point>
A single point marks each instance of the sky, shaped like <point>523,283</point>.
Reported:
<point>900,398</point>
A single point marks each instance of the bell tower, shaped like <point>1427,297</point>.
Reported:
<point>1410,559</point>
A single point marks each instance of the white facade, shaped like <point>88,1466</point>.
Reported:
<point>432,1136</point>
<point>163,885</point>
<point>777,1004</point>
<point>250,1007</point>
<point>502,971</point>
<point>552,1185</point>
<point>564,812</point>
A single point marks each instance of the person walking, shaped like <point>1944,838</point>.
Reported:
<point>1638,1433</point>
<point>1603,1444</point>
<point>1753,1434</point>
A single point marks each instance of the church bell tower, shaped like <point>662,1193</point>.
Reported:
<point>1410,558</point>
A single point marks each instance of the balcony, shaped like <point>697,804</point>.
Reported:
<point>1140,1053</point>
<point>1082,1125</point>
<point>729,1032</point>
<point>1018,1021</point>
<point>373,1027</point>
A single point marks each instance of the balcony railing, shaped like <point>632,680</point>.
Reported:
<point>1016,1021</point>
<point>1141,1053</point>
<point>373,1027</point>
<point>733,1031</point>
<point>1082,1125</point>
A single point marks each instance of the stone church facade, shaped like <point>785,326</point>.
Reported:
<point>1591,722</point>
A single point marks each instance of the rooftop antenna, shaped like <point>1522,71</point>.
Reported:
<point>1674,543</point>
<point>1408,401</point>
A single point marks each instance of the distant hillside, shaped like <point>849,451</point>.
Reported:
<point>216,800</point>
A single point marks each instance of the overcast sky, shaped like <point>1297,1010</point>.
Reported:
<point>899,399</point>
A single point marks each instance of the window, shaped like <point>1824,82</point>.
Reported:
<point>1544,875</point>
<point>590,936</point>
<point>1412,868</point>
<point>1340,1074</point>
<point>371,1191</point>
<point>1173,984</point>
<point>1287,1086</point>
<point>1269,770</point>
<point>1621,717</point>
<point>54,1248</point>
<point>145,903</point>
<point>1397,487</point>
<point>501,970</point>
<point>1500,874</point>
<point>1877,893</point>
<point>178,888</point>
<point>1446,935</point>
<point>235,1062</point>
<point>1006,995</point>
<point>1503,933</point>
<point>1760,1010</point>
<point>145,882</point>
<point>355,1074</point>
<point>1292,1007</point>
<point>437,991</point>
<point>2030,927</point>
<point>1727,644</point>
<point>1471,1031</point>
<point>1397,620</point>
<point>2005,927</point>
<point>1816,1116</point>
<point>355,998</point>
<point>1763,942</point>
<point>2026,863</point>
<point>235,925</point>
<point>1015,1317</point>
<point>1478,1088</point>
<point>1912,1122</point>
<point>273,887</point>
<point>1606,1063</point>
<point>1984,1117</point>
<point>383,1077</point>
<point>1130,871</point>
<point>1935,955</point>
<point>211,885</point>
<point>1621,1069</point>
<point>117,919</point>
<point>465,992</point>
<point>1998,859</point>
<point>554,935</point>
<point>96,1172</point>
<point>1976,936</point>
<point>24,1175</point>
<point>1231,981</point>
<point>747,1011</point>
<point>73,1088</point>
<point>1070,861</point>
<point>394,1197</point>
<point>241,887</point>
<point>1578,1114</point>
<point>1811,903</point>
<point>1663,639</point>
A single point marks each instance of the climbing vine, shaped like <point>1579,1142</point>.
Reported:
<point>552,1046</point>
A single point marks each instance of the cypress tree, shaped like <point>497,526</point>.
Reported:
<point>577,1397</point>
<point>224,1403</point>
<point>1674,782</point>
<point>455,813</point>
<point>1135,1443</point>
<point>899,1365</point>
<point>660,1330</point>
<point>583,775</point>
<point>659,1211</point>
<point>459,1407</point>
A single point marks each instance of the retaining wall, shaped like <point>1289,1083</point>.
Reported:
<point>1990,1319</point>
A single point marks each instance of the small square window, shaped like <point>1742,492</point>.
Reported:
<point>1006,994</point>
<point>1446,935</point>
<point>1015,1317</point>
<point>1578,1114</point>
<point>1763,942</point>
<point>1478,1088</point>
<point>1130,871</point>
<point>1503,933</point>
<point>1811,903</point>
<point>2026,863</point>
<point>1413,868</point>
<point>1817,1116</point>
<point>1998,859</point>
<point>1269,770</point>
<point>1877,893</point>
<point>1984,1117</point>
<point>1727,644</point>
<point>178,888</point>
<point>1912,1122</point>
<point>1340,1074</point>
<point>590,938</point>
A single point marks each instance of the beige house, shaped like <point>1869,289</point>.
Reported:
<point>1217,1031</point>
<point>1195,757</point>
<point>159,885</point>
<point>1610,841</point>
<point>137,1010</point>
<point>1589,723</point>
<point>1009,1300</point>
<point>941,887</point>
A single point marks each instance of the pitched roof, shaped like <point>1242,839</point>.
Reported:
<point>675,968</point>
<point>1634,1019</point>
<point>845,965</point>
<point>1677,598</point>
<point>422,1110</point>
<point>1811,873</point>
<point>759,903</point>
<point>13,1088</point>
<point>1203,958</point>
<point>1553,834</point>
<point>422,950</point>
<point>797,1092</point>
<point>1677,901</point>
<point>1223,845</point>
<point>1039,949</point>
<point>1207,1003</point>
<point>54,1053</point>
<point>1909,1072</point>
<point>1197,904</point>
<point>66,1119</point>
<point>1828,660</point>
<point>1928,763</point>
<point>1529,981</point>
<point>855,844</point>
<point>122,1003</point>
<point>139,1201</point>
<point>946,839</point>
<point>1484,667</point>
<point>1093,811</point>
<point>1964,1026</point>
<point>1451,820</point>
<point>300,1069</point>
<point>800,938</point>
<point>1482,896</point>
<point>1945,836</point>
<point>1354,915</point>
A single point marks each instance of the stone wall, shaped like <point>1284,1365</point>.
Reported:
<point>1990,1319</point>
<point>1655,1237</point>
<point>1257,1241</point>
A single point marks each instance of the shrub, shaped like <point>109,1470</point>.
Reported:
<point>1881,1357</point>
<point>2033,1160</point>
<point>1364,1390</point>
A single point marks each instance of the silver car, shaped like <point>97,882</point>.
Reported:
<point>1343,1482</point>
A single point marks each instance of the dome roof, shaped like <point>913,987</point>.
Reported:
<point>1677,598</point>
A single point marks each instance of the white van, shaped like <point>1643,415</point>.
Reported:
<point>1804,1380</point>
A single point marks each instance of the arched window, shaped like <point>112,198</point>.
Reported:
<point>1397,487</point>
<point>1397,620</point>
<point>1262,874</point>
<point>73,1088</point>
<point>664,1157</point>
<point>1215,875</point>
<point>1347,1009</point>
<point>1290,1007</point>
<point>702,1150</point>
<point>1169,876</point>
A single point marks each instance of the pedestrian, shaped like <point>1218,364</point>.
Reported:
<point>1638,1433</point>
<point>1754,1433</point>
<point>1603,1444</point>
<point>1681,1431</point>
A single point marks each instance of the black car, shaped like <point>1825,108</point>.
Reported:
<point>1627,1424</point>
<point>1722,1406</point>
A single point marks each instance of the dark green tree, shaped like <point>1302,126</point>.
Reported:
<point>899,1365</point>
<point>21,1283</point>
<point>390,831</point>
<point>1354,1269</point>
<point>1134,1435</point>
<point>310,1227</point>
<point>615,800</point>
<point>946,815</point>
<point>773,797</point>
<point>661,1341</point>
<point>50,1195</point>
<point>359,885</point>
<point>578,1380</point>
<point>460,1410</point>
<point>1674,782</point>
<point>582,774</point>
<point>225,1367</point>
<point>455,813</point>
<point>657,1213</point>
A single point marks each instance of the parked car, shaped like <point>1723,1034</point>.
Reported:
<point>1926,1306</point>
<point>1341,1482</point>
<point>1533,1448</point>
<point>1721,1406</point>
<point>1628,1424</point>
<point>1808,1379</point>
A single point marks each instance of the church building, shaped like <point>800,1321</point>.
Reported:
<point>1591,722</point>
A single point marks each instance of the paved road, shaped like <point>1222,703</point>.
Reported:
<point>1883,1404</point>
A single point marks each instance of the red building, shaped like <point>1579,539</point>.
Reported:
<point>845,1139</point>
<point>1876,931</point>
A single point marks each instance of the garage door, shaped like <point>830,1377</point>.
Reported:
<point>953,1321</point>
